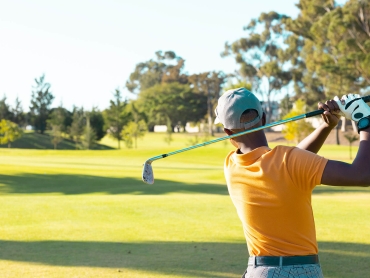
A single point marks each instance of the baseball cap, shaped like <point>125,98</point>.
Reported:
<point>231,106</point>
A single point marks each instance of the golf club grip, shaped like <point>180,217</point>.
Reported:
<point>320,111</point>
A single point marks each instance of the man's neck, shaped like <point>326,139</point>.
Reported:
<point>249,143</point>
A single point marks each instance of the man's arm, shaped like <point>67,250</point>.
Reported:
<point>316,139</point>
<point>355,174</point>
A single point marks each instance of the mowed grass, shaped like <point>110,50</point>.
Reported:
<point>88,214</point>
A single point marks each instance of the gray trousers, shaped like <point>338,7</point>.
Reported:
<point>289,271</point>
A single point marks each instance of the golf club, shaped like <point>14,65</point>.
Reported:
<point>148,175</point>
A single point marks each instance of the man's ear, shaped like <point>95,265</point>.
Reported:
<point>232,141</point>
<point>228,131</point>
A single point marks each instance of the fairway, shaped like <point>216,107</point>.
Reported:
<point>69,213</point>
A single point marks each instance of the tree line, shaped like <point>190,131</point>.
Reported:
<point>84,127</point>
<point>323,52</point>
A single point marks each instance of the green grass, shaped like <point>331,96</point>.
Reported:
<point>72,213</point>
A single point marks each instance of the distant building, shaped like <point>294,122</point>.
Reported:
<point>160,128</point>
<point>188,128</point>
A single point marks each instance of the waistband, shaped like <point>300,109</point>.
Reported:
<point>283,260</point>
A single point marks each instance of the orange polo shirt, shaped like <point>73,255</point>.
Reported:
<point>271,190</point>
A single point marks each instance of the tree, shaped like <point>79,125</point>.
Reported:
<point>57,124</point>
<point>132,131</point>
<point>238,84</point>
<point>5,111</point>
<point>136,111</point>
<point>208,84</point>
<point>332,47</point>
<point>136,128</point>
<point>18,114</point>
<point>41,101</point>
<point>77,126</point>
<point>350,27</point>
<point>97,123</point>
<point>117,117</point>
<point>166,68</point>
<point>9,132</point>
<point>351,137</point>
<point>306,83</point>
<point>89,135</point>
<point>259,55</point>
<point>168,138</point>
<point>298,130</point>
<point>285,105</point>
<point>174,102</point>
<point>56,135</point>
<point>332,43</point>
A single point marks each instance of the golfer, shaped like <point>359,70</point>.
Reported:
<point>271,188</point>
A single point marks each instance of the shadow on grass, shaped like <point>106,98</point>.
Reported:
<point>206,259</point>
<point>192,259</point>
<point>35,140</point>
<point>85,184</point>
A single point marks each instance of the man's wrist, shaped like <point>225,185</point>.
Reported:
<point>326,125</point>
<point>363,123</point>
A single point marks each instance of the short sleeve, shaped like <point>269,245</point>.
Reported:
<point>305,168</point>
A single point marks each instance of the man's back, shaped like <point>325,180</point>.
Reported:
<point>271,190</point>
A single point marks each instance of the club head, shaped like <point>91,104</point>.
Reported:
<point>148,176</point>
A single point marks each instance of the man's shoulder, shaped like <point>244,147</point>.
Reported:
<point>284,148</point>
<point>293,151</point>
<point>295,154</point>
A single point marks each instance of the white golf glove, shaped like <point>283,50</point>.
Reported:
<point>354,108</point>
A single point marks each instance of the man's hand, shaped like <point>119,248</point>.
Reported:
<point>332,114</point>
<point>353,107</point>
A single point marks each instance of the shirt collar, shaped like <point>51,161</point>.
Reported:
<point>248,158</point>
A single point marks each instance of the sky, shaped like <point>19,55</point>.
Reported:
<point>88,48</point>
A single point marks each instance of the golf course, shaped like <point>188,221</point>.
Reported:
<point>87,213</point>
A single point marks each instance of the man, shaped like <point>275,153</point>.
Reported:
<point>271,188</point>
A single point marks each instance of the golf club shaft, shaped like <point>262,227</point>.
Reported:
<point>302,116</point>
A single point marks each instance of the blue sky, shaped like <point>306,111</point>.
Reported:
<point>87,48</point>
